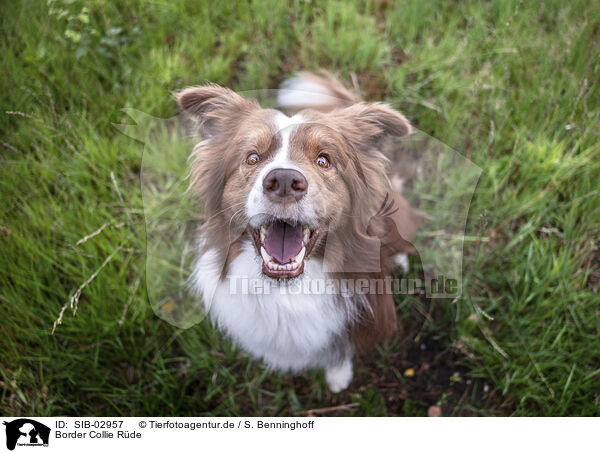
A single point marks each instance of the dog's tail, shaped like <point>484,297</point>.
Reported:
<point>320,91</point>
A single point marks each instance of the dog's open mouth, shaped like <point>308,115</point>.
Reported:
<point>284,247</point>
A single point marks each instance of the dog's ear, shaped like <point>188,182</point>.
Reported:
<point>388,120</point>
<point>366,124</point>
<point>212,106</point>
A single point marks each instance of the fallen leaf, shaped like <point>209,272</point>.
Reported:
<point>168,306</point>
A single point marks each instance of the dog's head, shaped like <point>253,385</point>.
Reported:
<point>287,183</point>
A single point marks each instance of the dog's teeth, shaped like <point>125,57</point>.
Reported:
<point>300,255</point>
<point>274,266</point>
<point>263,233</point>
<point>265,256</point>
<point>306,235</point>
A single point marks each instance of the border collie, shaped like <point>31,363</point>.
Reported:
<point>290,200</point>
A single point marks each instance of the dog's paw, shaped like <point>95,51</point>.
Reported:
<point>339,377</point>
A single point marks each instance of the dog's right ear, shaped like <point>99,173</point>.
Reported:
<point>211,107</point>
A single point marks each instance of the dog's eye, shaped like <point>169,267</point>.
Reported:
<point>252,159</point>
<point>322,161</point>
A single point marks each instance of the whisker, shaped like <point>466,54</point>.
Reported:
<point>223,210</point>
<point>230,220</point>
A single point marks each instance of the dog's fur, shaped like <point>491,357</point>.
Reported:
<point>358,225</point>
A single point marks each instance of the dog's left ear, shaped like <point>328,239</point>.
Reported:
<point>387,119</point>
<point>368,123</point>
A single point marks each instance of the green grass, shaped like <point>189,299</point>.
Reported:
<point>512,85</point>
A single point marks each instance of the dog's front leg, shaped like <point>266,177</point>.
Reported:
<point>339,376</point>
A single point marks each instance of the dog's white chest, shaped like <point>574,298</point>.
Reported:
<point>291,326</point>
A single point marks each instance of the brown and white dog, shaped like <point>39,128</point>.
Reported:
<point>292,200</point>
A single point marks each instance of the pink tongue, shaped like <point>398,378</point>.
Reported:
<point>283,241</point>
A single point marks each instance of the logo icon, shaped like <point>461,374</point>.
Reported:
<point>26,432</point>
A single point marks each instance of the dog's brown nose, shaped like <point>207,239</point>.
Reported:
<point>283,184</point>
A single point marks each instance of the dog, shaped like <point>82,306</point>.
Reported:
<point>291,199</point>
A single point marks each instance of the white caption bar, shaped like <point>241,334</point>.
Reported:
<point>335,435</point>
